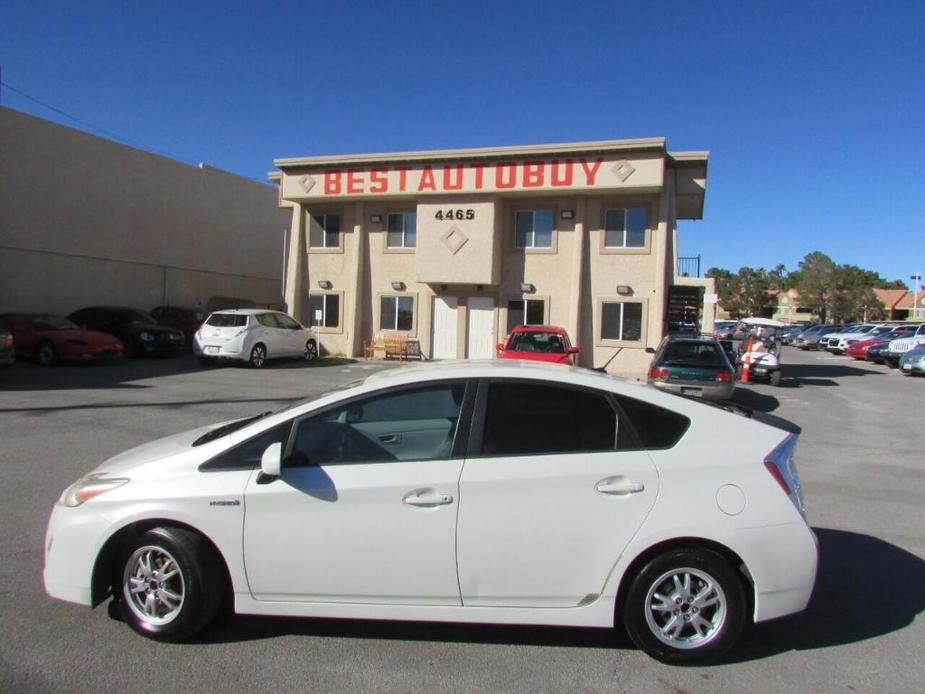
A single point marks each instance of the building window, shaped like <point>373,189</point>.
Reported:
<point>625,228</point>
<point>621,321</point>
<point>525,312</point>
<point>396,313</point>
<point>324,310</point>
<point>324,231</point>
<point>533,229</point>
<point>402,230</point>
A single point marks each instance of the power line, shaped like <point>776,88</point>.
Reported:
<point>107,133</point>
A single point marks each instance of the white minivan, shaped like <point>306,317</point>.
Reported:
<point>253,335</point>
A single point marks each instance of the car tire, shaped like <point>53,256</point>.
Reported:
<point>258,356</point>
<point>169,584</point>
<point>46,354</point>
<point>774,378</point>
<point>685,606</point>
<point>311,350</point>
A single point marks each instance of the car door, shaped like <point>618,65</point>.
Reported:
<point>268,332</point>
<point>551,494</point>
<point>293,334</point>
<point>365,508</point>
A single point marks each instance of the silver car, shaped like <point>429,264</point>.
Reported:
<point>253,335</point>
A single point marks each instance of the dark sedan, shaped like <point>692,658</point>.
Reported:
<point>139,332</point>
<point>48,339</point>
<point>7,353</point>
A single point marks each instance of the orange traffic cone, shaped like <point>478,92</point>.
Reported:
<point>746,359</point>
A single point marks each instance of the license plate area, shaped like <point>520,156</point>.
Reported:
<point>211,349</point>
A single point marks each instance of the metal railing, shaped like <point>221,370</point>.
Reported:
<point>689,266</point>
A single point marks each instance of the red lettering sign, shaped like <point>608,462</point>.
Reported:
<point>591,173</point>
<point>354,182</point>
<point>448,182</point>
<point>562,172</point>
<point>533,174</point>
<point>502,183</point>
<point>479,174</point>
<point>332,182</point>
<point>402,177</point>
<point>427,180</point>
<point>379,180</point>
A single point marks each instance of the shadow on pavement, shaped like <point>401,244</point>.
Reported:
<point>865,588</point>
<point>125,373</point>
<point>819,374</point>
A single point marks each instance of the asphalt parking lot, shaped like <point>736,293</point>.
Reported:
<point>860,459</point>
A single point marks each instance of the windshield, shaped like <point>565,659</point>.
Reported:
<point>691,354</point>
<point>53,323</point>
<point>134,317</point>
<point>537,342</point>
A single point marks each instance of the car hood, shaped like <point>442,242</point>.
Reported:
<point>160,452</point>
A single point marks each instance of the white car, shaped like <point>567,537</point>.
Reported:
<point>486,491</point>
<point>253,335</point>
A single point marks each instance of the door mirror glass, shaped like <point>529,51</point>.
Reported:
<point>650,350</point>
<point>573,350</point>
<point>271,460</point>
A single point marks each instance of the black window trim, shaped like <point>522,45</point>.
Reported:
<point>204,466</point>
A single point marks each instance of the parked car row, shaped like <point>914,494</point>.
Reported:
<point>103,333</point>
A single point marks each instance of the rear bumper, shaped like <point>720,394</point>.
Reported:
<point>709,391</point>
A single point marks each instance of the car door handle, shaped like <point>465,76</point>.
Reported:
<point>619,486</point>
<point>390,438</point>
<point>427,498</point>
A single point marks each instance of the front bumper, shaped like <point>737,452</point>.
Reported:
<point>72,542</point>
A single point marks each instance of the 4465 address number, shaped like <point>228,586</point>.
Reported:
<point>445,215</point>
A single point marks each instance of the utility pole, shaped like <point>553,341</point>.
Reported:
<point>917,278</point>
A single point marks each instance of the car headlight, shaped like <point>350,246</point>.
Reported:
<point>147,337</point>
<point>88,487</point>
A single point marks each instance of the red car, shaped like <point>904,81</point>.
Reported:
<point>188,321</point>
<point>858,350</point>
<point>538,343</point>
<point>48,339</point>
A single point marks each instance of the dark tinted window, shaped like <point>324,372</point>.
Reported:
<point>247,455</point>
<point>534,418</point>
<point>656,426</point>
<point>286,322</point>
<point>267,320</point>
<point>227,320</point>
<point>692,354</point>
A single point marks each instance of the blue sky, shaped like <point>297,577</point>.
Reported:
<point>813,112</point>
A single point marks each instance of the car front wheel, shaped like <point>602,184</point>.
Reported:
<point>170,585</point>
<point>46,354</point>
<point>685,606</point>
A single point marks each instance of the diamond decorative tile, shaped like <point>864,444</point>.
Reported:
<point>623,170</point>
<point>454,239</point>
<point>307,182</point>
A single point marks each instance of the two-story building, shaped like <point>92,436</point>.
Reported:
<point>456,247</point>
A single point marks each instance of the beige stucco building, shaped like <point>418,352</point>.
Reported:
<point>455,247</point>
<point>84,220</point>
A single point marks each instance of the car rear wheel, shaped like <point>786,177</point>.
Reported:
<point>170,584</point>
<point>685,606</point>
<point>258,356</point>
<point>311,350</point>
<point>775,378</point>
<point>46,354</point>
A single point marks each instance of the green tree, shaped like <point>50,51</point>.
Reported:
<point>729,290</point>
<point>816,280</point>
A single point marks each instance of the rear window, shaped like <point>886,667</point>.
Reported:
<point>692,354</point>
<point>227,320</point>
<point>537,342</point>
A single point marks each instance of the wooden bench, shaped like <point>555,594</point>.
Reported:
<point>395,345</point>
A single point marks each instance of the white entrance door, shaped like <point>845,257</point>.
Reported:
<point>444,338</point>
<point>481,342</point>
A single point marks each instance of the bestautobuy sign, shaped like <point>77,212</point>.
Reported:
<point>559,174</point>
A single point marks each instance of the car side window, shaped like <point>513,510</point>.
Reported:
<point>247,455</point>
<point>417,423</point>
<point>540,418</point>
<point>286,322</point>
<point>655,426</point>
<point>267,320</point>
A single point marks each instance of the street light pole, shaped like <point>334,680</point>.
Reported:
<point>915,297</point>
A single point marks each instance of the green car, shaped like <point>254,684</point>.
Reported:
<point>913,361</point>
<point>693,366</point>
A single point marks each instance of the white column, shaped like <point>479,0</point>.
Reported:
<point>296,267</point>
<point>578,264</point>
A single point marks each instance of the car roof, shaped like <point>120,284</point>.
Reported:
<point>538,329</point>
<point>246,311</point>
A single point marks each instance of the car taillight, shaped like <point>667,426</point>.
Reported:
<point>779,463</point>
<point>656,372</point>
<point>7,340</point>
<point>724,377</point>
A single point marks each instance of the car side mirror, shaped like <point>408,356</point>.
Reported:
<point>650,350</point>
<point>573,350</point>
<point>271,462</point>
<point>500,346</point>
